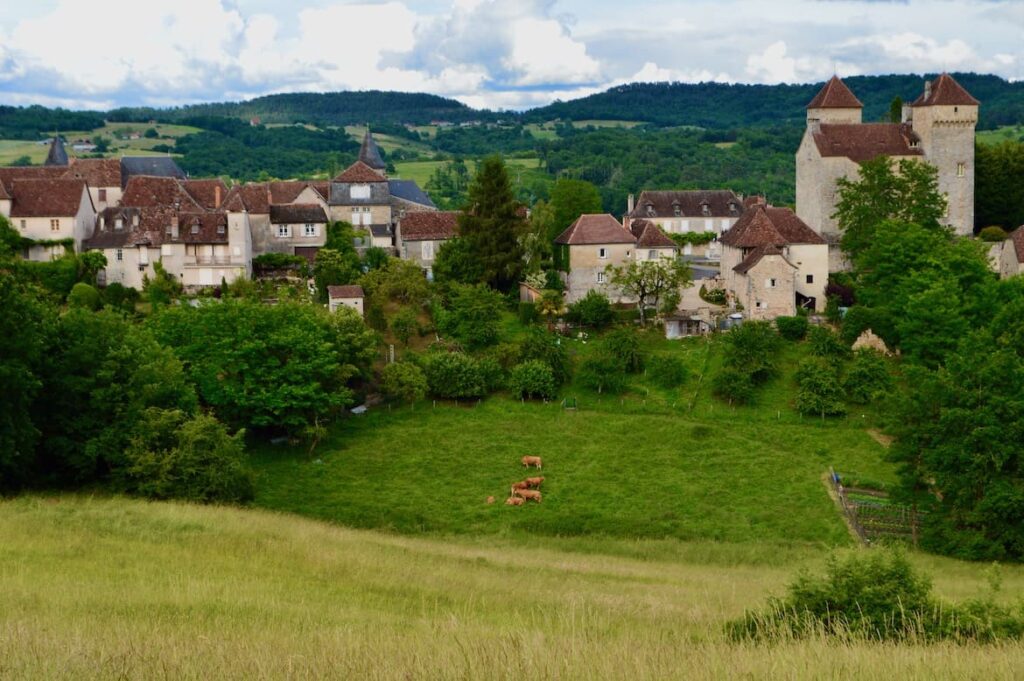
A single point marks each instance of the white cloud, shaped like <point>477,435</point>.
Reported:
<point>543,52</point>
<point>775,65</point>
<point>910,51</point>
<point>650,72</point>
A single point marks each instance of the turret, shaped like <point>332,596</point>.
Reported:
<point>834,103</point>
<point>57,156</point>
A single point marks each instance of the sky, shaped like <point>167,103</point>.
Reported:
<point>498,54</point>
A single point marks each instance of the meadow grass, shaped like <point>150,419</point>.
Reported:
<point>98,588</point>
<point>1001,134</point>
<point>420,171</point>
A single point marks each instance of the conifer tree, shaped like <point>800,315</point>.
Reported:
<point>492,225</point>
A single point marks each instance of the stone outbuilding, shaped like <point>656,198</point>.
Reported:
<point>345,296</point>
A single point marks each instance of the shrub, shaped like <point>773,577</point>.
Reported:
<point>868,377</point>
<point>593,309</point>
<point>120,297</point>
<point>162,288</point>
<point>753,348</point>
<point>733,385</point>
<point>491,372</point>
<point>546,347</point>
<point>403,381</point>
<point>602,373</point>
<point>404,324</point>
<point>825,342</point>
<point>84,296</point>
<point>532,379</point>
<point>667,370</point>
<point>472,314</point>
<point>527,313</point>
<point>792,328</point>
<point>280,261</point>
<point>715,296</point>
<point>624,344</point>
<point>453,375</point>
<point>819,391</point>
<point>992,234</point>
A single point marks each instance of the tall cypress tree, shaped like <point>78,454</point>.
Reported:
<point>492,225</point>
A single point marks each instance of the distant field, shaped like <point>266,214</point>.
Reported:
<point>600,123</point>
<point>422,170</point>
<point>1007,132</point>
<point>95,588</point>
<point>543,131</point>
<point>388,142</point>
<point>11,150</point>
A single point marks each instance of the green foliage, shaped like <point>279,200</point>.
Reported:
<point>734,385</point>
<point>399,281</point>
<point>448,183</point>
<point>471,315</point>
<point>649,281</point>
<point>176,456</point>
<point>532,378</point>
<point>542,346</point>
<point>824,342</point>
<point>404,324</point>
<point>84,296</point>
<point>537,241</point>
<point>89,264</point>
<point>120,297</point>
<point>896,110</point>
<point>593,309</point>
<point>455,262</point>
<point>667,370</point>
<point>993,234</point>
<point>819,390</point>
<point>404,381</point>
<point>57,276</point>
<point>527,313</point>
<point>33,122</point>
<point>375,258</point>
<point>162,288</point>
<point>792,328</point>
<point>998,192</point>
<point>571,198</point>
<point>602,372</point>
<point>492,225</point>
<point>716,296</point>
<point>151,134</point>
<point>257,366</point>
<point>753,347</point>
<point>454,375</point>
<point>867,378</point>
<point>279,261</point>
<point>334,268</point>
<point>624,344</point>
<point>692,238</point>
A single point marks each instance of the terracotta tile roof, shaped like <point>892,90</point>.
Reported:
<point>4,194</point>
<point>1017,237</point>
<point>205,192</point>
<point>663,204</point>
<point>286,191</point>
<point>761,225</point>
<point>835,95</point>
<point>360,172</point>
<point>649,235</point>
<point>297,213</point>
<point>349,291</point>
<point>429,225</point>
<point>595,229</point>
<point>233,201</point>
<point>202,227</point>
<point>145,191</point>
<point>46,198</point>
<point>945,91</point>
<point>98,172</point>
<point>861,142</point>
<point>322,188</point>
<point>755,256</point>
<point>138,226</point>
<point>9,174</point>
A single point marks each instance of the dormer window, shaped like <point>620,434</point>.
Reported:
<point>705,209</point>
<point>733,208</point>
<point>650,210</point>
<point>360,191</point>
<point>195,228</point>
<point>221,229</point>
<point>675,209</point>
<point>118,223</point>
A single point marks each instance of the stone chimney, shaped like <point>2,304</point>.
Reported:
<point>927,89</point>
<point>216,196</point>
<point>630,203</point>
<point>174,226</point>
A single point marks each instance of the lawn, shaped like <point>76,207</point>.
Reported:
<point>95,588</point>
<point>1001,134</point>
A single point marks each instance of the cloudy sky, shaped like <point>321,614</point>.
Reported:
<point>492,53</point>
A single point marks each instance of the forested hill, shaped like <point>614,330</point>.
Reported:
<point>328,108</point>
<point>721,105</point>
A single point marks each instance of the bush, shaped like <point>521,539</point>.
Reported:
<point>624,345</point>
<point>753,348</point>
<point>825,342</point>
<point>491,373</point>
<point>404,324</point>
<point>532,379</point>
<point>733,385</point>
<point>280,261</point>
<point>602,373</point>
<point>875,596</point>
<point>546,347</point>
<point>819,391</point>
<point>162,288</point>
<point>120,297</point>
<point>453,375</point>
<point>527,313</point>
<point>403,381</point>
<point>792,328</point>
<point>593,309</point>
<point>868,377</point>
<point>667,370</point>
<point>715,296</point>
<point>993,234</point>
<point>472,315</point>
<point>84,296</point>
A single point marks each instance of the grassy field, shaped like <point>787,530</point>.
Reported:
<point>422,170</point>
<point>11,150</point>
<point>1006,132</point>
<point>105,588</point>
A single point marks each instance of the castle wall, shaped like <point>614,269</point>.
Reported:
<point>947,139</point>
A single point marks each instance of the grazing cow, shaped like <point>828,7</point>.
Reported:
<point>533,483</point>
<point>531,494</point>
<point>490,500</point>
<point>523,484</point>
<point>532,461</point>
<point>514,501</point>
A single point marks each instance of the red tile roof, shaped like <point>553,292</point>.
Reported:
<point>98,172</point>
<point>205,192</point>
<point>945,91</point>
<point>861,142</point>
<point>761,225</point>
<point>835,95</point>
<point>649,235</point>
<point>595,229</point>
<point>360,172</point>
<point>145,191</point>
<point>46,198</point>
<point>286,192</point>
<point>1017,237</point>
<point>429,225</point>
<point>202,227</point>
<point>663,204</point>
<point>755,256</point>
<point>9,174</point>
<point>349,291</point>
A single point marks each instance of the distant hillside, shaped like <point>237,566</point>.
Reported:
<point>330,108</point>
<point>720,105</point>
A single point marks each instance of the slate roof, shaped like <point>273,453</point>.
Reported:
<point>98,172</point>
<point>369,153</point>
<point>835,95</point>
<point>429,225</point>
<point>755,256</point>
<point>46,198</point>
<point>57,156</point>
<point>595,229</point>
<point>945,91</point>
<point>361,173</point>
<point>662,204</point>
<point>762,225</point>
<point>649,235</point>
<point>154,166</point>
<point>297,213</point>
<point>380,231</point>
<point>861,142</point>
<point>349,291</point>
<point>408,190</point>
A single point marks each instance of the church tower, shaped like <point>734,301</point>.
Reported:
<point>369,153</point>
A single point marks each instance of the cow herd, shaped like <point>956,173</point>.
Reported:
<point>527,489</point>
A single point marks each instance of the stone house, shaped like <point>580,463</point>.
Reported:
<point>772,262</point>
<point>681,212</point>
<point>345,296</point>
<point>937,128</point>
<point>1008,255</point>
<point>103,176</point>
<point>419,236</point>
<point>49,211</point>
<point>300,227</point>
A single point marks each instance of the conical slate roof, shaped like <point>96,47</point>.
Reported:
<point>835,95</point>
<point>57,156</point>
<point>369,153</point>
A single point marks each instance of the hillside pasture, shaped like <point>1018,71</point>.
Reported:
<point>421,171</point>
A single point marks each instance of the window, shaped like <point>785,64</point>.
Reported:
<point>961,169</point>
<point>945,210</point>
<point>360,191</point>
<point>309,230</point>
<point>733,208</point>
<point>600,277</point>
<point>55,224</point>
<point>427,250</point>
<point>705,209</point>
<point>760,306</point>
<point>195,228</point>
<point>284,231</point>
<point>709,225</point>
<point>102,194</point>
<point>24,224</point>
<point>118,223</point>
<point>652,254</point>
<point>769,283</point>
<point>810,278</point>
<point>602,253</point>
<point>221,229</point>
<point>119,256</point>
<point>725,225</point>
<point>675,210</point>
<point>684,226</point>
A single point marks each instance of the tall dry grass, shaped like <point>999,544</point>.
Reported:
<point>109,588</point>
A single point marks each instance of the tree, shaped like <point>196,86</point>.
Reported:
<point>753,348</point>
<point>84,296</point>
<point>89,264</point>
<point>546,347</point>
<point>819,391</point>
<point>532,378</point>
<point>648,281</point>
<point>162,288</point>
<point>456,262</point>
<point>404,324</point>
<point>624,344</point>
<point>602,372</point>
<point>151,134</point>
<point>334,268</point>
<point>593,309</point>
<point>493,226</point>
<point>454,375</point>
<point>472,315</point>
<point>792,328</point>
<point>867,379</point>
<point>569,199</point>
<point>404,381</point>
<point>998,191</point>
<point>550,305</point>
<point>909,194</point>
<point>537,237</point>
<point>375,258</point>
<point>400,281</point>
<point>896,110</point>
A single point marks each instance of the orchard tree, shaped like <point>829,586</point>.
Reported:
<point>649,281</point>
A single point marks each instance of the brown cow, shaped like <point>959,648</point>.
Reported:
<point>531,494</point>
<point>490,500</point>
<point>522,484</point>
<point>514,501</point>
<point>532,461</point>
<point>533,483</point>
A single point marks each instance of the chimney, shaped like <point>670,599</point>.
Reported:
<point>216,196</point>
<point>630,203</point>
<point>174,226</point>
<point>927,89</point>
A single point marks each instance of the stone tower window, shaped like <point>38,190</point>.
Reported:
<point>961,169</point>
